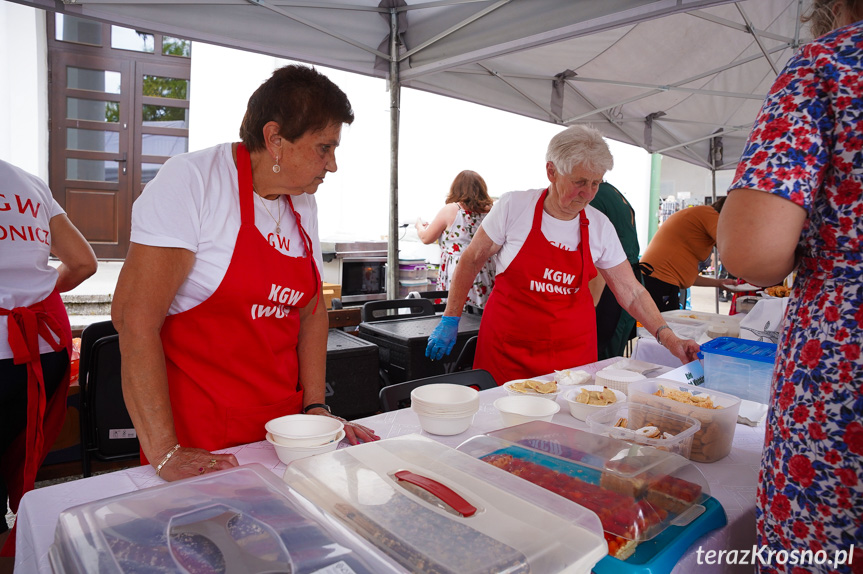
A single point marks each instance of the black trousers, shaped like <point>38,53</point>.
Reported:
<point>13,402</point>
<point>614,326</point>
<point>665,295</point>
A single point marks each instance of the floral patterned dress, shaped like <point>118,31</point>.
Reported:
<point>807,147</point>
<point>452,242</point>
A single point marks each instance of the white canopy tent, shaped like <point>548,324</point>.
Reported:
<point>684,78</point>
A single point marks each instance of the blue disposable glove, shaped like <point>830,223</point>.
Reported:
<point>442,339</point>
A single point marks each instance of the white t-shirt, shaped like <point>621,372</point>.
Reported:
<point>193,203</point>
<point>26,208</point>
<point>510,219</point>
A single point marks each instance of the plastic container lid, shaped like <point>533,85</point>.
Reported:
<point>625,485</point>
<point>413,282</point>
<point>238,520</point>
<point>491,521</point>
<point>760,351</point>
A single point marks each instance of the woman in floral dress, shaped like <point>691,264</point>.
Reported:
<point>454,226</point>
<point>797,203</point>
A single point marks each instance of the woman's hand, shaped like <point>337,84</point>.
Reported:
<point>188,462</point>
<point>684,349</point>
<point>355,433</point>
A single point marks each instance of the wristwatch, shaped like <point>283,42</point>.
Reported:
<point>307,408</point>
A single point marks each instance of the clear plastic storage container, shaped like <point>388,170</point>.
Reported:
<point>434,509</point>
<point>741,367</point>
<point>409,271</point>
<point>731,323</point>
<point>238,520</point>
<point>643,424</point>
<point>652,504</point>
<point>713,440</point>
<point>408,285</point>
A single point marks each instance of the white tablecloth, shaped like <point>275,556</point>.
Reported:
<point>732,482</point>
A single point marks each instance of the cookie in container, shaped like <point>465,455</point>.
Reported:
<point>715,410</point>
<point>433,509</point>
<point>650,426</point>
<point>242,519</point>
<point>652,504</point>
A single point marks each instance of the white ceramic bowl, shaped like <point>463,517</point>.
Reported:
<point>304,430</point>
<point>445,426</point>
<point>581,410</point>
<point>287,454</point>
<point>445,397</point>
<point>516,410</point>
<point>530,392</point>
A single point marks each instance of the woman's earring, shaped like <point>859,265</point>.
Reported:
<point>276,167</point>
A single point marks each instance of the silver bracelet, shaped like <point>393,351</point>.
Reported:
<point>167,458</point>
<point>658,331</point>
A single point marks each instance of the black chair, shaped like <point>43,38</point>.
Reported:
<point>389,309</point>
<point>398,396</point>
<point>107,432</point>
<point>465,358</point>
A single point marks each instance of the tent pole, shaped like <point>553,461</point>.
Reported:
<point>394,88</point>
<point>715,252</point>
<point>655,200</point>
<point>715,154</point>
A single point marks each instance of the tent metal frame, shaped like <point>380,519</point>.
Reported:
<point>396,65</point>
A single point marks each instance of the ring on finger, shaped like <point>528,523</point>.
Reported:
<point>212,463</point>
<point>201,470</point>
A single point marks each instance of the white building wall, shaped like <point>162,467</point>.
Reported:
<point>24,88</point>
<point>678,177</point>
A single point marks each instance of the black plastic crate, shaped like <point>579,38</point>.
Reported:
<point>353,380</point>
<point>402,345</point>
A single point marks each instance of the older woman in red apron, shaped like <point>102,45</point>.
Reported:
<point>219,309</point>
<point>35,336</point>
<point>549,244</point>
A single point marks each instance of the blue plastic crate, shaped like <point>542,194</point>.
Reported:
<point>741,367</point>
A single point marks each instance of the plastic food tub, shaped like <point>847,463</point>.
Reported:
<point>624,421</point>
<point>741,367</point>
<point>409,271</point>
<point>431,508</point>
<point>242,519</point>
<point>713,440</point>
<point>653,505</point>
<point>408,285</point>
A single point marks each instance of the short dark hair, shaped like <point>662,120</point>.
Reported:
<point>300,100</point>
<point>717,205</point>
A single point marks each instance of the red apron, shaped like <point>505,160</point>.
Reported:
<point>49,320</point>
<point>232,360</point>
<point>540,316</point>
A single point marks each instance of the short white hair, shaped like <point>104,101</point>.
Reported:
<point>581,146</point>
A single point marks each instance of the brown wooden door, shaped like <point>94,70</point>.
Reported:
<point>90,147</point>
<point>116,115</point>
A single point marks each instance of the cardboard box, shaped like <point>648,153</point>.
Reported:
<point>331,291</point>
